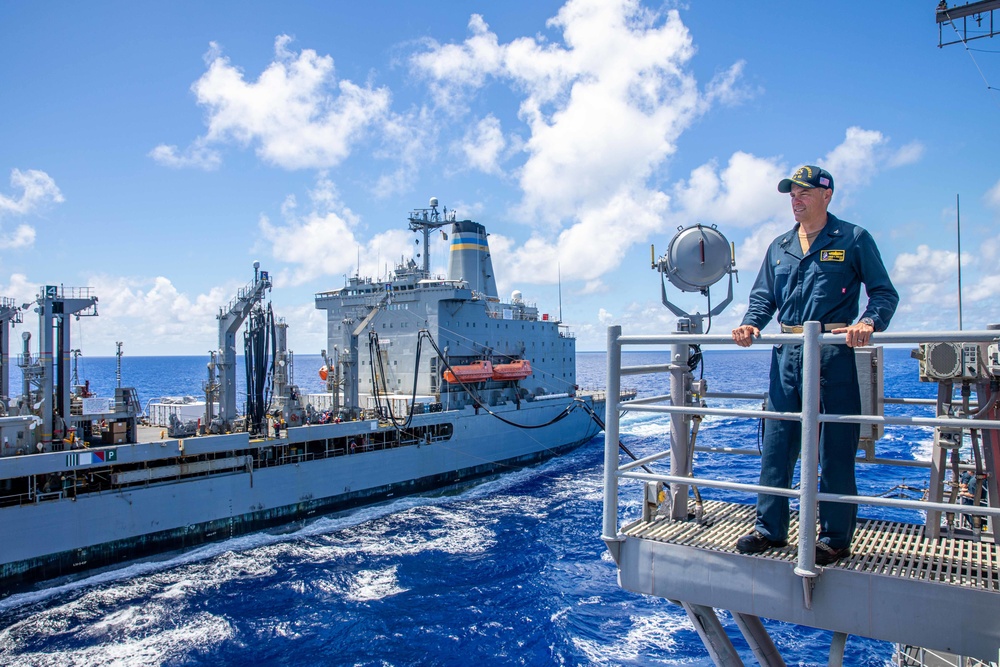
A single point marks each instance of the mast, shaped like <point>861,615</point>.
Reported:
<point>559,274</point>
<point>958,222</point>
<point>424,220</point>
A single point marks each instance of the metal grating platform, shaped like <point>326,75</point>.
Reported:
<point>884,548</point>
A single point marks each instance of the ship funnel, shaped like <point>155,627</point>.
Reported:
<point>470,258</point>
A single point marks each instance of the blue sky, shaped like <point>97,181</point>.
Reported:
<point>153,151</point>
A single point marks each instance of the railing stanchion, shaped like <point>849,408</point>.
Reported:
<point>810,450</point>
<point>611,434</point>
<point>680,431</point>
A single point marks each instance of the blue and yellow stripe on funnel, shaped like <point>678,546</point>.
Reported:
<point>461,242</point>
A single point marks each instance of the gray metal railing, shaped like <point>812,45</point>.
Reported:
<point>808,493</point>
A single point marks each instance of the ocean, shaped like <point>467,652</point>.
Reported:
<point>508,571</point>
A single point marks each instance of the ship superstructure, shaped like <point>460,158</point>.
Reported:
<point>402,415</point>
<point>400,336</point>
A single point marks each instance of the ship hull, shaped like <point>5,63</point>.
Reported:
<point>71,535</point>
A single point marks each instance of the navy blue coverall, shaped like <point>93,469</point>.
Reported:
<point>823,286</point>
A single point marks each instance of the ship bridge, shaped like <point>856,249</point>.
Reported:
<point>932,588</point>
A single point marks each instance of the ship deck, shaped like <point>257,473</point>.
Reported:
<point>886,548</point>
<point>896,586</point>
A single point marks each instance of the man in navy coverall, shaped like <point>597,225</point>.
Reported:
<point>814,272</point>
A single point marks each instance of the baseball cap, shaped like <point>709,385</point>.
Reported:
<point>808,176</point>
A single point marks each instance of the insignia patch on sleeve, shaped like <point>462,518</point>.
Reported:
<point>831,256</point>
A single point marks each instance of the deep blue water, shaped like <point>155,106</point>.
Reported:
<point>509,571</point>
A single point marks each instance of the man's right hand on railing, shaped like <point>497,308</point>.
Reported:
<point>744,334</point>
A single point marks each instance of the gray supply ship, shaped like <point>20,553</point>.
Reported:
<point>431,381</point>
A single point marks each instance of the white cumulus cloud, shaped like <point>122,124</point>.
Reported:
<point>325,240</point>
<point>992,196</point>
<point>483,145</point>
<point>21,237</point>
<point>457,65</point>
<point>296,114</point>
<point>603,107</point>
<point>149,314</point>
<point>863,155</point>
<point>198,156</point>
<point>984,287</point>
<point>856,160</point>
<point>20,289</point>
<point>911,153</point>
<point>743,193</point>
<point>36,191</point>
<point>595,244</point>
<point>928,287</point>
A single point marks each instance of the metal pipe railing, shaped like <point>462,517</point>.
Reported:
<point>713,484</point>
<point>821,417</point>
<point>901,503</point>
<point>901,463</point>
<point>812,339</point>
<point>888,400</point>
<point>882,338</point>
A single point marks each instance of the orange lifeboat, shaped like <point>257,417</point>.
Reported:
<point>323,372</point>
<point>515,370</point>
<point>477,371</point>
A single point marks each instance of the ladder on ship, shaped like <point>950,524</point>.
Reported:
<point>132,405</point>
<point>894,565</point>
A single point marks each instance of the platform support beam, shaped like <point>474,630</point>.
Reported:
<point>837,646</point>
<point>713,636</point>
<point>760,642</point>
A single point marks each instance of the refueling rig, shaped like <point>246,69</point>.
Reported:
<point>52,413</point>
<point>271,392</point>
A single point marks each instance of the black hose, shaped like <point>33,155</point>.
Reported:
<point>259,375</point>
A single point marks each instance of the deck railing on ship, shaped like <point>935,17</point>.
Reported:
<point>808,495</point>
